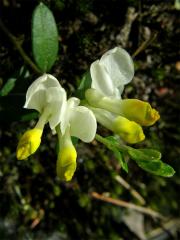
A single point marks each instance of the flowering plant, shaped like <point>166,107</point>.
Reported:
<point>102,103</point>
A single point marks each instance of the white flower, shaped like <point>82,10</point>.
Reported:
<point>77,121</point>
<point>129,131</point>
<point>112,72</point>
<point>65,116</point>
<point>47,97</point>
<point>109,75</point>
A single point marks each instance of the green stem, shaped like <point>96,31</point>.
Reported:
<point>43,119</point>
<point>109,145</point>
<point>65,139</point>
<point>17,45</point>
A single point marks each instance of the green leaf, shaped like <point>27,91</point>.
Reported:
<point>144,154</point>
<point>113,142</point>
<point>121,160</point>
<point>29,116</point>
<point>74,140</point>
<point>84,85</point>
<point>149,160</point>
<point>9,85</point>
<point>152,153</point>
<point>177,4</point>
<point>165,170</point>
<point>156,167</point>
<point>44,37</point>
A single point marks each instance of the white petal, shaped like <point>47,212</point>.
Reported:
<point>36,100</point>
<point>83,124</point>
<point>73,102</point>
<point>104,117</point>
<point>118,91</point>
<point>67,111</point>
<point>101,81</point>
<point>119,65</point>
<point>47,96</point>
<point>56,104</point>
<point>36,96</point>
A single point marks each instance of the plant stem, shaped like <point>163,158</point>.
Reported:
<point>121,203</point>
<point>133,191</point>
<point>107,143</point>
<point>17,45</point>
<point>145,44</point>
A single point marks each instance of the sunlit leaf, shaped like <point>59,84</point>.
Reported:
<point>149,160</point>
<point>44,37</point>
<point>156,167</point>
<point>144,154</point>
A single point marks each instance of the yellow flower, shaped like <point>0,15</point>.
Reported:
<point>138,111</point>
<point>66,163</point>
<point>133,109</point>
<point>28,143</point>
<point>77,121</point>
<point>129,131</point>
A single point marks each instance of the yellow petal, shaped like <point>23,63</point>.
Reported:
<point>28,143</point>
<point>66,163</point>
<point>139,111</point>
<point>133,109</point>
<point>129,131</point>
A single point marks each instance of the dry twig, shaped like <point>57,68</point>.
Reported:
<point>17,45</point>
<point>134,193</point>
<point>122,203</point>
<point>145,44</point>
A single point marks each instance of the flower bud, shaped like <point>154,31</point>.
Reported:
<point>139,111</point>
<point>133,109</point>
<point>129,131</point>
<point>66,163</point>
<point>28,143</point>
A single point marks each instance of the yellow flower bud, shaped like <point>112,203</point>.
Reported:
<point>129,131</point>
<point>28,143</point>
<point>139,111</point>
<point>133,109</point>
<point>66,163</point>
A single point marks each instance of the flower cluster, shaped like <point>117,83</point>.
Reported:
<point>124,117</point>
<point>103,104</point>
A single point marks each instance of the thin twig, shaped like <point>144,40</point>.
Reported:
<point>122,203</point>
<point>134,193</point>
<point>17,45</point>
<point>145,44</point>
